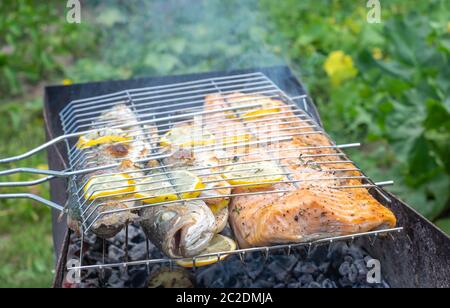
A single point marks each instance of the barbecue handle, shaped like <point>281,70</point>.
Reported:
<point>35,150</point>
<point>27,183</point>
<point>151,121</point>
<point>35,198</point>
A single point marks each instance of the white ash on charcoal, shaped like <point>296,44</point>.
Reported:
<point>340,265</point>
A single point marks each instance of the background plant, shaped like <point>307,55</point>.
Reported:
<point>385,85</point>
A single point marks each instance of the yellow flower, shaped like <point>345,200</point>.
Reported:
<point>339,67</point>
<point>67,82</point>
<point>377,53</point>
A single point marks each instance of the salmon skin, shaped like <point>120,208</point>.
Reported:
<point>312,209</point>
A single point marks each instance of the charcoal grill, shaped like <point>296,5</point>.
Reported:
<point>418,256</point>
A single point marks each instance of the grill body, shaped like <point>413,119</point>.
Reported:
<point>417,257</point>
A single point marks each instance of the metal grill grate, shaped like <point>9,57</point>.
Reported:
<point>157,110</point>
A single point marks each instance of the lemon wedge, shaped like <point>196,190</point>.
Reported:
<point>236,139</point>
<point>253,174</point>
<point>108,186</point>
<point>216,208</point>
<point>219,244</point>
<point>186,183</point>
<point>259,113</point>
<point>158,188</point>
<point>102,137</point>
<point>186,136</point>
<point>155,189</point>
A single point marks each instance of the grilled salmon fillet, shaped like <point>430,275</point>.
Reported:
<point>315,206</point>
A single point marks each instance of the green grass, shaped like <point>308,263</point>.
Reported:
<point>26,252</point>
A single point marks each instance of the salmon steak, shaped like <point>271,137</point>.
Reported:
<point>321,193</point>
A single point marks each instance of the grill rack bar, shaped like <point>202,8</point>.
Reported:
<point>75,154</point>
<point>265,249</point>
<point>279,191</point>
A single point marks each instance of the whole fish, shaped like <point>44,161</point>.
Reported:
<point>181,229</point>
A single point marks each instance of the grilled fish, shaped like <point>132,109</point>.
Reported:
<point>181,229</point>
<point>312,208</point>
<point>136,147</point>
<point>203,164</point>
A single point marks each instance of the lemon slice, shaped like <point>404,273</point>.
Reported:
<point>186,136</point>
<point>219,244</point>
<point>259,113</point>
<point>255,175</point>
<point>216,208</point>
<point>155,189</point>
<point>186,182</point>
<point>236,139</point>
<point>108,186</point>
<point>103,137</point>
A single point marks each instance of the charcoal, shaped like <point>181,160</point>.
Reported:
<point>314,285</point>
<point>338,265</point>
<point>137,252</point>
<point>353,274</point>
<point>261,284</point>
<point>218,283</point>
<point>294,285</point>
<point>308,268</point>
<point>324,267</point>
<point>344,269</point>
<point>306,280</point>
<point>115,254</point>
<point>206,276</point>
<point>320,278</point>
<point>329,284</point>
<point>138,279</point>
<point>254,268</point>
<point>355,252</point>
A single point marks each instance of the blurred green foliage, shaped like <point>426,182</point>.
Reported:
<point>396,101</point>
<point>36,42</point>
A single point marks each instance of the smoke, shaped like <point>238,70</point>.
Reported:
<point>160,37</point>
